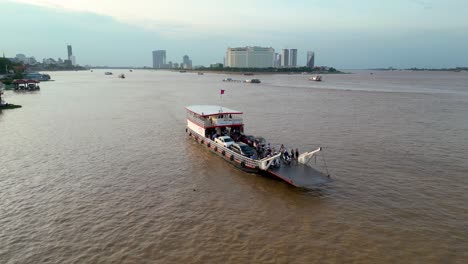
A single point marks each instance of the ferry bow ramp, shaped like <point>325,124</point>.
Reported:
<point>300,175</point>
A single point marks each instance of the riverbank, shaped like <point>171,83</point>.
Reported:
<point>253,71</point>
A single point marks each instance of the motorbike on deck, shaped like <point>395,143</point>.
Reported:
<point>286,158</point>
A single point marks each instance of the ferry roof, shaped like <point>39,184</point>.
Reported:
<point>209,110</point>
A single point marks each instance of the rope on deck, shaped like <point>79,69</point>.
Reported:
<point>326,168</point>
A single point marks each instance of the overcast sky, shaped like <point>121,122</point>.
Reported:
<point>344,34</point>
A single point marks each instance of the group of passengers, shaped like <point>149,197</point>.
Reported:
<point>268,151</point>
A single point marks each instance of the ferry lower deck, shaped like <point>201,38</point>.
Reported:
<point>295,174</point>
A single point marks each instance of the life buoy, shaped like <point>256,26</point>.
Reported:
<point>243,164</point>
<point>223,152</point>
<point>208,145</point>
<point>232,157</point>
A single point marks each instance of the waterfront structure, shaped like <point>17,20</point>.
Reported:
<point>250,57</point>
<point>310,59</point>
<point>21,58</point>
<point>216,65</point>
<point>277,62</point>
<point>186,62</point>
<point>293,57</point>
<point>70,52</point>
<point>159,59</point>
<point>285,58</point>
<point>72,60</point>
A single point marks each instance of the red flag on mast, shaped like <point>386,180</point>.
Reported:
<point>222,91</point>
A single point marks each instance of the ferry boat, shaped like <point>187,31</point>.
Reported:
<point>37,76</point>
<point>205,122</point>
<point>121,76</point>
<point>108,73</point>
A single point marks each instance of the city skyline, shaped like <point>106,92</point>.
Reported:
<point>361,34</point>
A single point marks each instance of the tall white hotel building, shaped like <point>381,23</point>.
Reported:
<point>250,57</point>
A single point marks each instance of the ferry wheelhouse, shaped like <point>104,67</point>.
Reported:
<point>204,122</point>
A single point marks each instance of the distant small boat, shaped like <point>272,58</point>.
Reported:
<point>248,74</point>
<point>131,70</point>
<point>200,73</point>
<point>317,78</point>
<point>121,76</point>
<point>108,73</point>
<point>253,81</point>
<point>182,71</point>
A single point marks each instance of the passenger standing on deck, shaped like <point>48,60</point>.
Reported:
<point>281,148</point>
<point>297,153</point>
<point>292,153</point>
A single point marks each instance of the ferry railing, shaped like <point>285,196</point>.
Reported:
<point>215,121</point>
<point>248,162</point>
<point>200,122</point>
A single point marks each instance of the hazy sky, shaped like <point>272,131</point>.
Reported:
<point>343,33</point>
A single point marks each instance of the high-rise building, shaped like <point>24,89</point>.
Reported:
<point>310,59</point>
<point>293,57</point>
<point>70,52</point>
<point>250,57</point>
<point>73,60</point>
<point>159,59</point>
<point>277,62</point>
<point>285,58</point>
<point>186,62</point>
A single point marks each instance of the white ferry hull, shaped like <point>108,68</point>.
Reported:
<point>223,152</point>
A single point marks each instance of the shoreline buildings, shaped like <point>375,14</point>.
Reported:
<point>310,59</point>
<point>293,57</point>
<point>288,58</point>
<point>71,59</point>
<point>250,57</point>
<point>159,59</point>
<point>186,62</point>
<point>285,58</point>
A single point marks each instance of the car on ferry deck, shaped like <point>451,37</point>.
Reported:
<point>249,140</point>
<point>242,149</point>
<point>224,140</point>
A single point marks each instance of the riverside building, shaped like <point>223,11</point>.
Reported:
<point>293,57</point>
<point>159,59</point>
<point>250,57</point>
<point>310,59</point>
<point>285,58</point>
